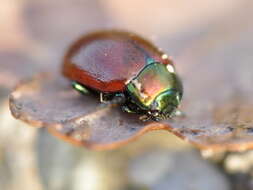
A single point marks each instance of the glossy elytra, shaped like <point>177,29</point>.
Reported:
<point>124,68</point>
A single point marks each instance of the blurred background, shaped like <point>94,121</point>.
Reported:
<point>35,35</point>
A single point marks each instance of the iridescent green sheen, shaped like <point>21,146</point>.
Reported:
<point>167,102</point>
<point>80,88</point>
<point>157,88</point>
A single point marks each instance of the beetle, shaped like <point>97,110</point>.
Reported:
<point>124,68</point>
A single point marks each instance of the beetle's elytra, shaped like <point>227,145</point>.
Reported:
<point>125,68</point>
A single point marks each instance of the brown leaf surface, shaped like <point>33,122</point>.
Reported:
<point>51,102</point>
<point>218,95</point>
<point>217,104</point>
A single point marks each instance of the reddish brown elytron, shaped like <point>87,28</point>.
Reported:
<point>105,60</point>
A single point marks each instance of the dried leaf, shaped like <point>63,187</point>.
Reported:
<point>51,102</point>
<point>218,101</point>
<point>217,104</point>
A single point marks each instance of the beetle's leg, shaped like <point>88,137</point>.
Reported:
<point>118,98</point>
<point>101,97</point>
<point>131,108</point>
<point>105,97</point>
<point>145,117</point>
<point>127,109</point>
<point>80,88</point>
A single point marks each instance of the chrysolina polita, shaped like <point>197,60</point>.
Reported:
<point>126,69</point>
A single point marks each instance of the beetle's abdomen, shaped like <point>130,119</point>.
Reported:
<point>105,60</point>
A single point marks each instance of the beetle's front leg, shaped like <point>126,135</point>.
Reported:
<point>118,98</point>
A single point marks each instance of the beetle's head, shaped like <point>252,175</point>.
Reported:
<point>156,90</point>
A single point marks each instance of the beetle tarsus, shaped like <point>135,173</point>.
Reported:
<point>144,118</point>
